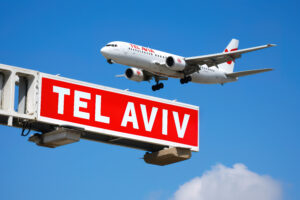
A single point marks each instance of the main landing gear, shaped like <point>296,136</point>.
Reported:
<point>185,79</point>
<point>158,86</point>
<point>110,61</point>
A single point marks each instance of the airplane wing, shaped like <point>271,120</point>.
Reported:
<point>246,73</point>
<point>215,59</point>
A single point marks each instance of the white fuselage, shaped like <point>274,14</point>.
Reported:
<point>153,61</point>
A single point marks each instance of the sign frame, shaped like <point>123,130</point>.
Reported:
<point>103,131</point>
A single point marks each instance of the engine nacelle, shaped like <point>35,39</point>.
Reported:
<point>175,63</point>
<point>135,74</point>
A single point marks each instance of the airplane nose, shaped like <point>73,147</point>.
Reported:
<point>102,51</point>
<point>106,52</point>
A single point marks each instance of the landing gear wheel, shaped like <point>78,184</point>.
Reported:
<point>160,85</point>
<point>154,88</point>
<point>157,86</point>
<point>185,80</point>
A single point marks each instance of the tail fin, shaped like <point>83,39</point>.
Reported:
<point>228,66</point>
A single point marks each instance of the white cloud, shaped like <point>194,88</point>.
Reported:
<point>225,183</point>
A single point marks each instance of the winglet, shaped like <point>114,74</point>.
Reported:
<point>272,45</point>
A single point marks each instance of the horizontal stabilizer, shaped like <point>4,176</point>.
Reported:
<point>246,73</point>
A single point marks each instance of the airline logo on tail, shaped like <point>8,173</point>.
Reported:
<point>226,50</point>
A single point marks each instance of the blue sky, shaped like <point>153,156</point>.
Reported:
<point>253,121</point>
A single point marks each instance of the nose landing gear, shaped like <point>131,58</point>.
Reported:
<point>185,79</point>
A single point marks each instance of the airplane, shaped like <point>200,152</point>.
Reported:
<point>146,63</point>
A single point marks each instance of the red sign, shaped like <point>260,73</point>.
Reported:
<point>119,113</point>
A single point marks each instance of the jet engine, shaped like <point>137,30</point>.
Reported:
<point>135,74</point>
<point>175,63</point>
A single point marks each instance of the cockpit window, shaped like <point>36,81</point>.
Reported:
<point>111,45</point>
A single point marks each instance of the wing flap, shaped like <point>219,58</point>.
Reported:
<point>246,73</point>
